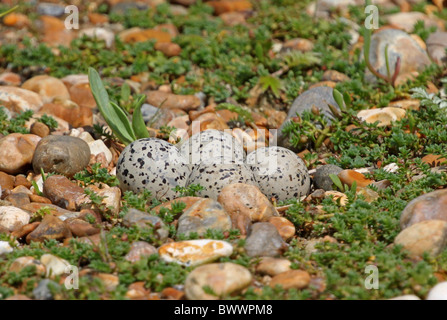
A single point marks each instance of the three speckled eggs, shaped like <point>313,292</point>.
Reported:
<point>212,159</point>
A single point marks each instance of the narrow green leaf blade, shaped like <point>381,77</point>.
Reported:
<point>138,125</point>
<point>124,128</point>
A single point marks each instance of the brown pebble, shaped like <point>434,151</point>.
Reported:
<point>18,199</point>
<point>25,230</point>
<point>39,199</point>
<point>40,129</point>
<point>22,181</point>
<point>6,181</point>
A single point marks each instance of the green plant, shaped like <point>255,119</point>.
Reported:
<point>15,124</point>
<point>96,174</point>
<point>115,116</point>
<point>189,191</point>
<point>49,121</point>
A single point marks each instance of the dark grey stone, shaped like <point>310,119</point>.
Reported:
<point>264,241</point>
<point>319,97</point>
<point>50,9</point>
<point>322,179</point>
<point>43,292</point>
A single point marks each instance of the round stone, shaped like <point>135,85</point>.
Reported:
<point>222,278</point>
<point>61,154</point>
<point>322,179</point>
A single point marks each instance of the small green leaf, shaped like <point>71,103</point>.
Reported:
<point>114,116</point>
<point>125,127</point>
<point>337,182</point>
<point>338,97</point>
<point>138,125</point>
<point>347,100</point>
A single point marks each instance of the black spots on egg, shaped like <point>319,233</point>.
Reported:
<point>280,173</point>
<point>154,165</point>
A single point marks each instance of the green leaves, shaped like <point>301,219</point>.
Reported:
<point>114,115</point>
<point>271,83</point>
<point>138,124</point>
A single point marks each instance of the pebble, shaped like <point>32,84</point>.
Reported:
<point>285,228</point>
<point>292,279</point>
<point>188,201</point>
<point>109,281</point>
<point>81,94</point>
<point>19,100</point>
<point>50,9</point>
<point>140,250</point>
<point>173,101</point>
<point>64,193</point>
<point>6,181</point>
<point>16,20</point>
<point>413,58</point>
<point>429,206</point>
<point>12,218</point>
<point>43,290</point>
<point>225,6</point>
<point>279,172</point>
<point>50,228</point>
<point>350,176</point>
<point>98,146</point>
<point>69,111</point>
<point>145,220</point>
<point>18,297</point>
<point>172,294</point>
<point>18,199</point>
<point>22,262</point>
<point>245,204</point>
<point>203,215</point>
<point>426,236</point>
<point>406,297</point>
<point>5,248</point>
<point>48,88</point>
<point>299,44</point>
<point>384,116</point>
<point>81,228</point>
<point>39,129</point>
<point>319,97</point>
<point>54,266</point>
<point>407,20</point>
<point>222,278</point>
<point>273,266</point>
<point>322,179</point>
<point>99,33</point>
<point>135,35</point>
<point>436,46</point>
<point>195,252</point>
<point>16,152</point>
<point>63,155</point>
<point>438,292</point>
<point>264,241</point>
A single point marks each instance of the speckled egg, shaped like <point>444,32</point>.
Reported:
<point>154,165</point>
<point>211,144</point>
<point>279,172</point>
<point>214,176</point>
